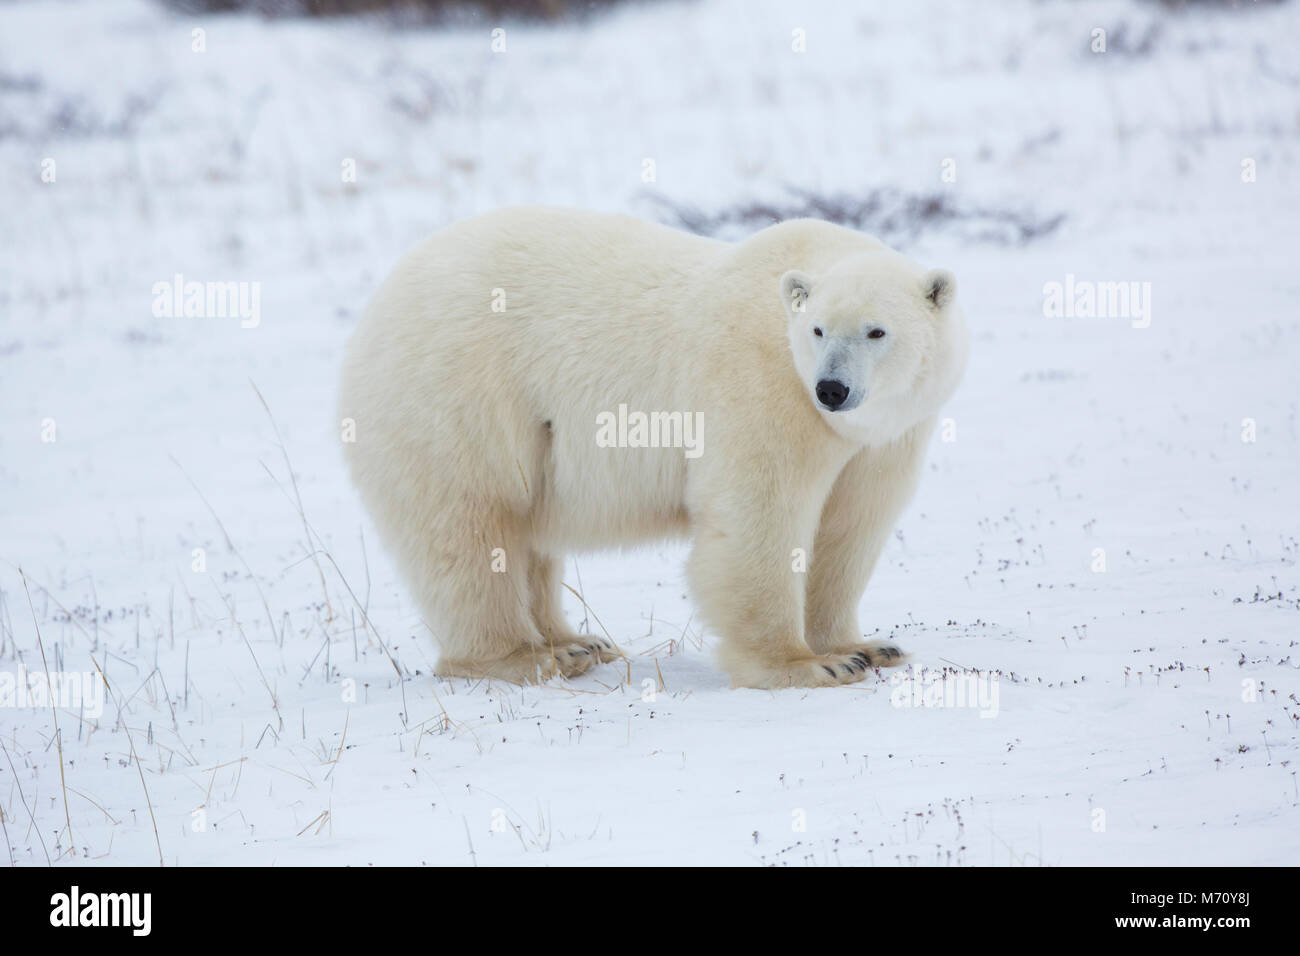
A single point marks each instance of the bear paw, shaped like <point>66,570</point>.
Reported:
<point>566,660</point>
<point>821,670</point>
<point>603,649</point>
<point>876,653</point>
<point>534,663</point>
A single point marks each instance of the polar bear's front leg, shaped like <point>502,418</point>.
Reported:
<point>751,593</point>
<point>545,595</point>
<point>859,515</point>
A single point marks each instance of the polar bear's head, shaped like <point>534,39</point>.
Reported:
<point>879,343</point>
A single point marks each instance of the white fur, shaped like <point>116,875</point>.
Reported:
<point>476,429</point>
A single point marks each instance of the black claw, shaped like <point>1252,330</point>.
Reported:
<point>828,670</point>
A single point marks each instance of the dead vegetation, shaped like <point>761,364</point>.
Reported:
<point>896,217</point>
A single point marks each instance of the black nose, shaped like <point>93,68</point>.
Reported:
<point>831,393</point>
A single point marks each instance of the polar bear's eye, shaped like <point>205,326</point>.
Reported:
<point>817,332</point>
<point>876,334</point>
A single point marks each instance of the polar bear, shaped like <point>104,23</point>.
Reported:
<point>812,359</point>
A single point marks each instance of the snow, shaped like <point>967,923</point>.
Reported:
<point>1124,732</point>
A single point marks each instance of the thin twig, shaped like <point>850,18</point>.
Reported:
<point>54,712</point>
<point>30,816</point>
<point>139,768</point>
<point>293,481</point>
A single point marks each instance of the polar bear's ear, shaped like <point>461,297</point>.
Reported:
<point>795,289</point>
<point>939,286</point>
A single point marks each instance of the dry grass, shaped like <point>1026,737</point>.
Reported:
<point>896,217</point>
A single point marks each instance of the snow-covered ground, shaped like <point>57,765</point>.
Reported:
<point>1110,538</point>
